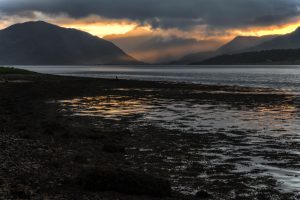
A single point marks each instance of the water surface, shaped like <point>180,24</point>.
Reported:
<point>278,77</point>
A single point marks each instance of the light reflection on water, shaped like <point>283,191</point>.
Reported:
<point>265,137</point>
<point>111,107</point>
<point>191,117</point>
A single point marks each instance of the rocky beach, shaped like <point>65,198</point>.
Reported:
<point>86,138</point>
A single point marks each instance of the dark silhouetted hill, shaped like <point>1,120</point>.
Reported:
<point>280,56</point>
<point>237,45</point>
<point>241,43</point>
<point>288,41</point>
<point>196,57</point>
<point>41,43</point>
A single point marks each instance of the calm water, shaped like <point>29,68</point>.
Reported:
<point>249,142</point>
<point>278,77</point>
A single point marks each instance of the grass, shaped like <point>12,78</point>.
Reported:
<point>11,70</point>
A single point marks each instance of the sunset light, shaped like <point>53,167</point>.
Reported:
<point>271,30</point>
<point>150,99</point>
<point>102,29</point>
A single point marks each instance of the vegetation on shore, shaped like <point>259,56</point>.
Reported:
<point>11,70</point>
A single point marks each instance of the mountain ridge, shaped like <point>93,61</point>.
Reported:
<point>236,45</point>
<point>265,57</point>
<point>281,49</point>
<point>287,41</point>
<point>241,43</point>
<point>42,43</point>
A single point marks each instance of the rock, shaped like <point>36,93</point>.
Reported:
<point>50,128</point>
<point>79,158</point>
<point>203,195</point>
<point>66,135</point>
<point>113,148</point>
<point>20,192</point>
<point>127,132</point>
<point>48,132</point>
<point>55,128</point>
<point>25,135</point>
<point>123,181</point>
<point>21,127</point>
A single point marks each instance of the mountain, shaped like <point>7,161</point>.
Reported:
<point>283,49</point>
<point>195,57</point>
<point>237,45</point>
<point>277,56</point>
<point>155,48</point>
<point>41,43</point>
<point>241,43</point>
<point>165,49</point>
<point>288,41</point>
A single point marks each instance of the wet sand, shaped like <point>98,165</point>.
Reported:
<point>207,139</point>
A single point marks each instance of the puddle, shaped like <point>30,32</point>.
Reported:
<point>111,107</point>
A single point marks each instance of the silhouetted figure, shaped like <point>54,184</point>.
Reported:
<point>117,78</point>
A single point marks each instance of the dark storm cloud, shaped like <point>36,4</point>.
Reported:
<point>169,13</point>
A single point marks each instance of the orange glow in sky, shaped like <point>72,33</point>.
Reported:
<point>102,29</point>
<point>272,30</point>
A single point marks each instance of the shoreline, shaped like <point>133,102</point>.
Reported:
<point>47,151</point>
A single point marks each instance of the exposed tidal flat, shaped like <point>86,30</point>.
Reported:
<point>84,138</point>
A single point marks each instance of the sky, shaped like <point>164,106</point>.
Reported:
<point>220,20</point>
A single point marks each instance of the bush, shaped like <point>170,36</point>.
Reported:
<point>10,70</point>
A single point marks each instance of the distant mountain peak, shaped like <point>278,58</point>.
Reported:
<point>38,23</point>
<point>236,45</point>
<point>31,24</point>
<point>287,41</point>
<point>240,43</point>
<point>297,31</point>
